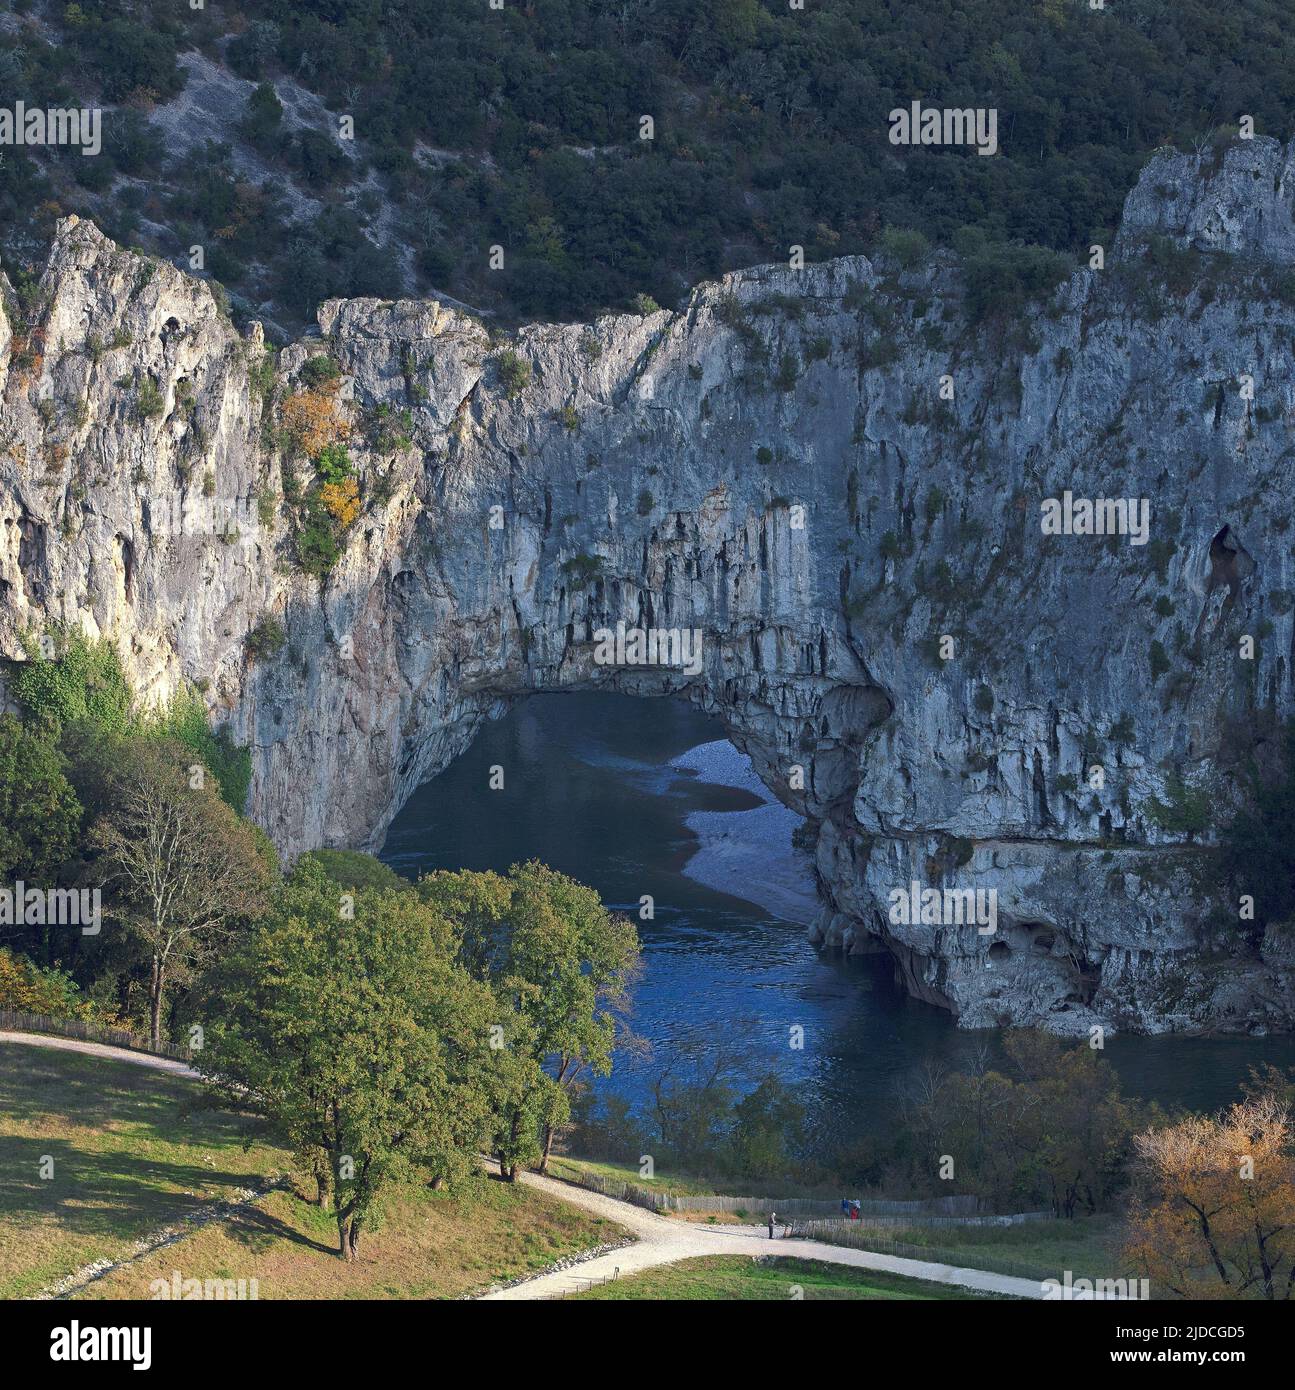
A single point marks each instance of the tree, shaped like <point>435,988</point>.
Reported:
<point>769,1123</point>
<point>1002,277</point>
<point>264,116</point>
<point>568,966</point>
<point>1075,1127</point>
<point>366,1045</point>
<point>350,868</point>
<point>561,966</point>
<point>39,820</point>
<point>185,869</point>
<point>1059,1131</point>
<point>475,904</point>
<point>692,1118</point>
<point>185,720</point>
<point>1257,848</point>
<point>1214,1215</point>
<point>131,57</point>
<point>40,816</point>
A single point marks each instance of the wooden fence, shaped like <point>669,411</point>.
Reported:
<point>88,1032</point>
<point>826,1208</point>
<point>609,1187</point>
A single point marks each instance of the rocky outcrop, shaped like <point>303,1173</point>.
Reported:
<point>829,472</point>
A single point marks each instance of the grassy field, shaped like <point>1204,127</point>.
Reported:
<point>131,1155</point>
<point>126,1154</point>
<point>1088,1247</point>
<point>737,1277</point>
<point>676,1184</point>
<point>428,1245</point>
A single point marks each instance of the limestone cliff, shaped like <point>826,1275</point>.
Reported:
<point>778,465</point>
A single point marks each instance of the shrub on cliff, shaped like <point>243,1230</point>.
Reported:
<point>148,399</point>
<point>68,677</point>
<point>514,373</point>
<point>1185,810</point>
<point>320,373</point>
<point>1001,277</point>
<point>906,246</point>
<point>341,501</point>
<point>310,422</point>
<point>316,542</point>
<point>267,639</point>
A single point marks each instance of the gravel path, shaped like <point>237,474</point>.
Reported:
<point>662,1242</point>
<point>117,1054</point>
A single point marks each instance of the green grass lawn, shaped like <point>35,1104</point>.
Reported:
<point>131,1153</point>
<point>675,1184</point>
<point>738,1277</point>
<point>1087,1246</point>
<point>426,1245</point>
<point>125,1153</point>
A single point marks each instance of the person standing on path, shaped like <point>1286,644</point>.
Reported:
<point>773,1216</point>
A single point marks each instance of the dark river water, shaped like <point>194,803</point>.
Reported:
<point>588,789</point>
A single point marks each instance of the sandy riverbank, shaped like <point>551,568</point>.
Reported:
<point>747,854</point>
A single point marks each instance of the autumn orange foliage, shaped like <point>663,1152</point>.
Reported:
<point>342,500</point>
<point>1214,1215</point>
<point>311,421</point>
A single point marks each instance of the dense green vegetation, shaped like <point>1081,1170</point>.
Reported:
<point>770,130</point>
<point>1257,846</point>
<point>142,806</point>
<point>1051,1131</point>
<point>390,1031</point>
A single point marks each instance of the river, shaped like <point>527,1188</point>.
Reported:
<point>592,788</point>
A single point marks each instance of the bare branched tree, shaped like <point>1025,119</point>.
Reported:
<point>185,870</point>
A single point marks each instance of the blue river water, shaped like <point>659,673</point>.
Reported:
<point>588,788</point>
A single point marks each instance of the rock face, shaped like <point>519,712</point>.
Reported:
<point>830,473</point>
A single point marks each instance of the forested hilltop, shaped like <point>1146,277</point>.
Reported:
<point>520,128</point>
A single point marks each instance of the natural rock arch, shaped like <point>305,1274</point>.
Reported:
<point>866,570</point>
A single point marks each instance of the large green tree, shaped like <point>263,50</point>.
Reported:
<point>561,964</point>
<point>1055,1130</point>
<point>569,966</point>
<point>367,1047</point>
<point>39,811</point>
